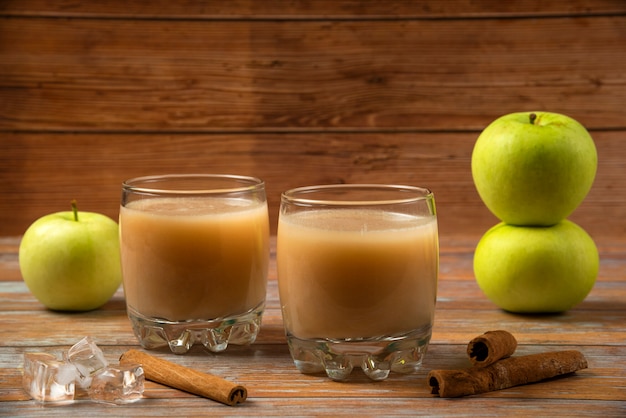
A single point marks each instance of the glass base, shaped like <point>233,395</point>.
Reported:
<point>377,357</point>
<point>214,335</point>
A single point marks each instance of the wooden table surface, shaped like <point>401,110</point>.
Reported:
<point>597,327</point>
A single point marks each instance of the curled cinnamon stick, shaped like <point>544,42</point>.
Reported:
<point>490,347</point>
<point>184,378</point>
<point>512,371</point>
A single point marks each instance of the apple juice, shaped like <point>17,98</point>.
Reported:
<point>356,273</point>
<point>194,258</point>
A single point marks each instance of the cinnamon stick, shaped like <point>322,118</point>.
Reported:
<point>490,347</point>
<point>184,378</point>
<point>512,371</point>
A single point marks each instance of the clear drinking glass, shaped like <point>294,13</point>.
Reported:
<point>195,255</point>
<point>357,275</point>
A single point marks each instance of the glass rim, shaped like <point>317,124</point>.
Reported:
<point>292,196</point>
<point>139,184</point>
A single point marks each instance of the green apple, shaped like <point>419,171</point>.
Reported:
<point>70,261</point>
<point>527,269</point>
<point>533,168</point>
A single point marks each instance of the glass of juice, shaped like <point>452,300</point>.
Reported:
<point>195,255</point>
<point>357,276</point>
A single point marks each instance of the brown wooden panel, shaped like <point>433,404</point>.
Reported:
<point>42,173</point>
<point>326,92</point>
<point>596,327</point>
<point>212,76</point>
<point>302,9</point>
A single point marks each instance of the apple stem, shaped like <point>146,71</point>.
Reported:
<point>75,210</point>
<point>532,118</point>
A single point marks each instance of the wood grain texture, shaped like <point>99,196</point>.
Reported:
<point>596,327</point>
<point>297,92</point>
<point>154,75</point>
<point>308,9</point>
<point>55,168</point>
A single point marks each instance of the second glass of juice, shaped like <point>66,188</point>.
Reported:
<point>357,274</point>
<point>195,255</point>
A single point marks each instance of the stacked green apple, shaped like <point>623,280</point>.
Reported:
<point>532,170</point>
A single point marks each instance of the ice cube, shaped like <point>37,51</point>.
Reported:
<point>47,379</point>
<point>119,384</point>
<point>88,359</point>
<point>31,365</point>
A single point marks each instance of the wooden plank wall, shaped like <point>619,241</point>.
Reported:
<point>298,92</point>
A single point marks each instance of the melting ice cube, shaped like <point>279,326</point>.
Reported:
<point>32,362</point>
<point>47,379</point>
<point>119,384</point>
<point>88,359</point>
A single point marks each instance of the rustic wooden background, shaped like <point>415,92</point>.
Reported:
<point>298,92</point>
